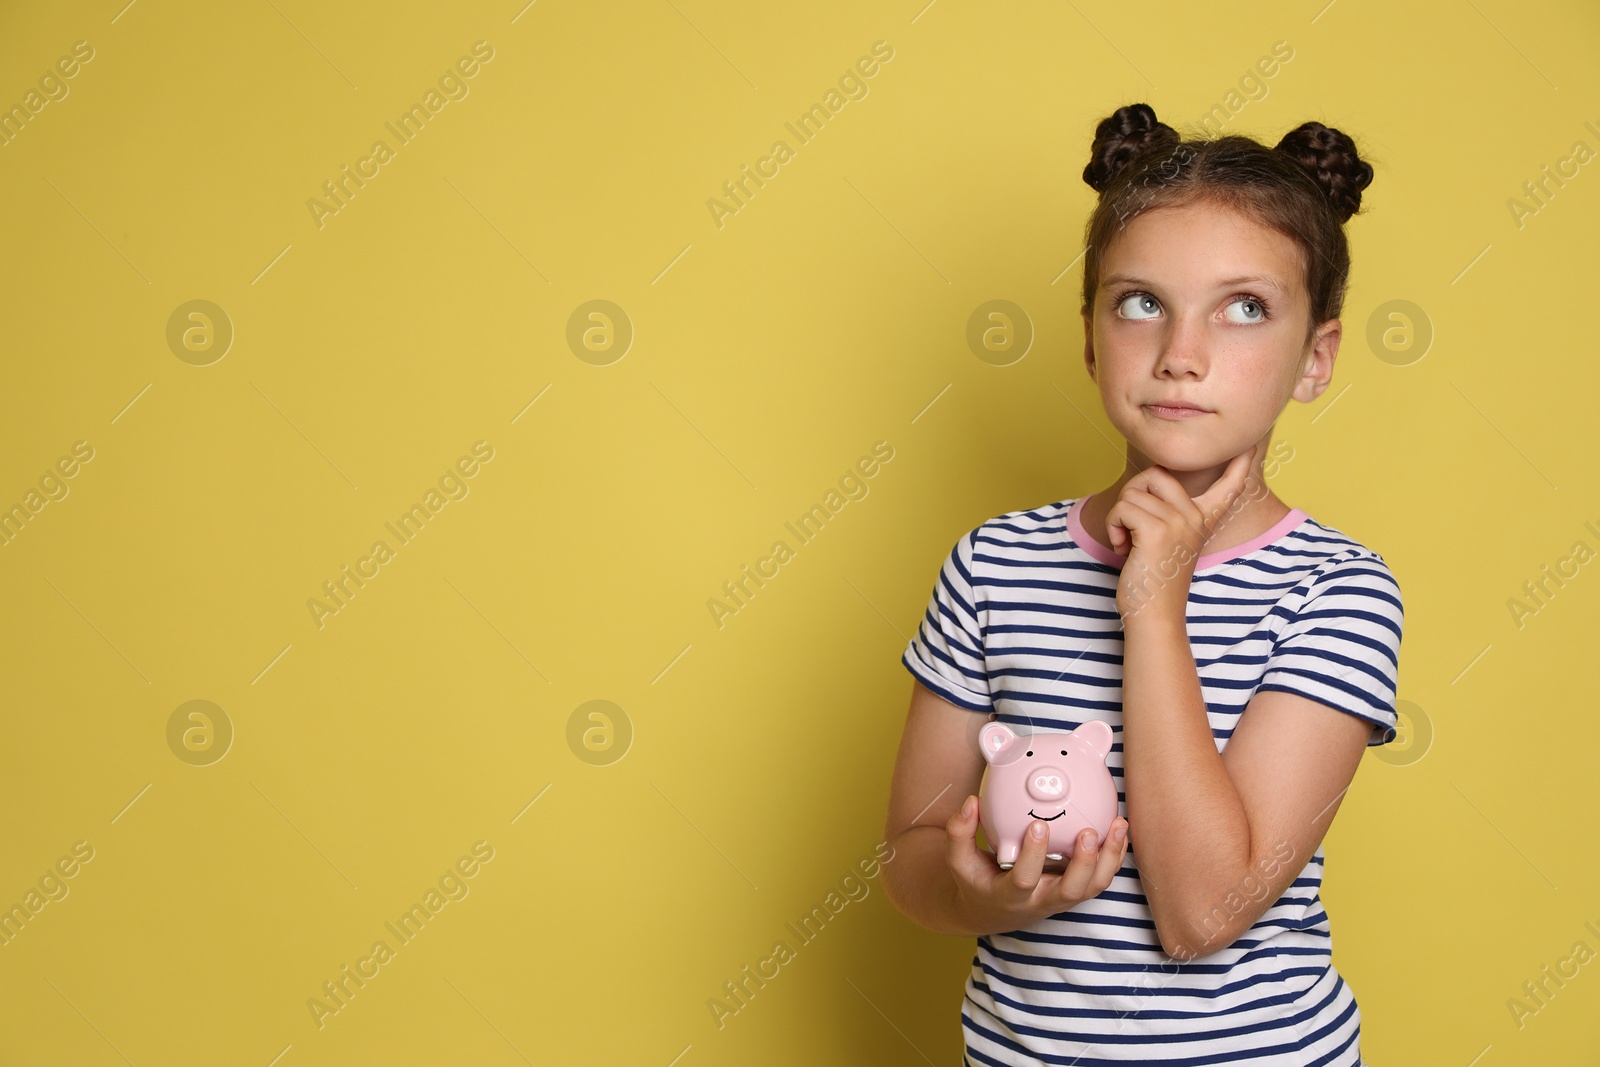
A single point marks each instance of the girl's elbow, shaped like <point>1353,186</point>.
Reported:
<point>1180,949</point>
<point>1188,951</point>
<point>1188,940</point>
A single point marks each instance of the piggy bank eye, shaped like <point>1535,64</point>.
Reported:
<point>1063,752</point>
<point>1030,751</point>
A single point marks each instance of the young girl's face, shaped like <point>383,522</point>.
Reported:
<point>1203,306</point>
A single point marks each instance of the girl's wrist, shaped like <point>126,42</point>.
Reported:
<point>1158,618</point>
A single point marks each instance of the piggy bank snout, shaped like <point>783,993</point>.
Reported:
<point>1047,784</point>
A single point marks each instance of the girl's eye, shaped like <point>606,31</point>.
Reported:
<point>1144,306</point>
<point>1254,309</point>
<point>1137,306</point>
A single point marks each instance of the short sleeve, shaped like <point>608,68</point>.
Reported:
<point>1342,647</point>
<point>946,654</point>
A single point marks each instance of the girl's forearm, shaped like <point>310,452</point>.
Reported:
<point>1187,822</point>
<point>920,885</point>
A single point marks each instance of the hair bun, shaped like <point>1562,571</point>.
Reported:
<point>1121,136</point>
<point>1329,156</point>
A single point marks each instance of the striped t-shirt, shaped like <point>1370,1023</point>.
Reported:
<point>1023,624</point>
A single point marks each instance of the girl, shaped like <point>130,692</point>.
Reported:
<point>1244,654</point>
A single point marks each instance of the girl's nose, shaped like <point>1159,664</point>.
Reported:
<point>1184,351</point>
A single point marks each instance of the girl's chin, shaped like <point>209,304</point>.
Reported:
<point>1181,445</point>
<point>1173,459</point>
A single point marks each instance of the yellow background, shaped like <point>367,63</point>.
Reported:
<point>768,355</point>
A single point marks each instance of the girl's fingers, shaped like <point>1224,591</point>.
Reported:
<point>1127,514</point>
<point>1153,503</point>
<point>960,846</point>
<point>1025,873</point>
<point>1169,504</point>
<point>1162,483</point>
<point>1148,476</point>
<point>1092,868</point>
<point>1111,855</point>
<point>1233,481</point>
<point>1074,885</point>
<point>1171,507</point>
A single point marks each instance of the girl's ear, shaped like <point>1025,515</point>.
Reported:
<point>1318,362</point>
<point>1088,345</point>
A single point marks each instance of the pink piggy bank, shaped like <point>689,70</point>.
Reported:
<point>1059,778</point>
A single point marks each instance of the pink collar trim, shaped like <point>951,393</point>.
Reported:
<point>1103,553</point>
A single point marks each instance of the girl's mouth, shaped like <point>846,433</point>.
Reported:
<point>1162,412</point>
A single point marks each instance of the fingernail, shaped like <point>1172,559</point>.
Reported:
<point>1038,831</point>
<point>1119,833</point>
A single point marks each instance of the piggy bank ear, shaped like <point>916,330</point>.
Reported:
<point>998,743</point>
<point>1095,735</point>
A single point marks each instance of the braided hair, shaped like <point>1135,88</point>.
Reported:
<point>1305,187</point>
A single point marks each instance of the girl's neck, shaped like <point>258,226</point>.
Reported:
<point>1249,519</point>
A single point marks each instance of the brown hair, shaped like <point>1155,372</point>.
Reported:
<point>1305,188</point>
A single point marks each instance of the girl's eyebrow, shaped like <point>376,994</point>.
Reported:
<point>1267,280</point>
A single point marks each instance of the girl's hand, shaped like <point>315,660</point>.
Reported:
<point>1161,530</point>
<point>998,901</point>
